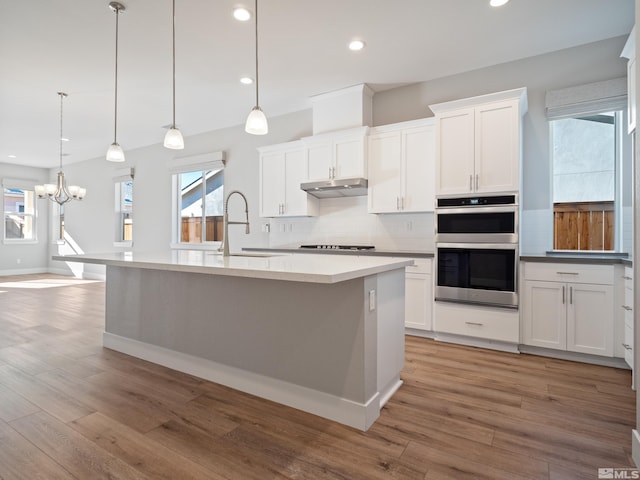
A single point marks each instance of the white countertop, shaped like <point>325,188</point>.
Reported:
<point>291,267</point>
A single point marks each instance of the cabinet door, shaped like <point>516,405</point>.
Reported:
<point>418,298</point>
<point>349,157</point>
<point>590,319</point>
<point>295,172</point>
<point>419,151</point>
<point>544,314</point>
<point>385,150</point>
<point>454,152</point>
<point>497,147</point>
<point>271,184</point>
<point>319,160</point>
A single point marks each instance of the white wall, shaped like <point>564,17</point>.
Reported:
<point>32,257</point>
<point>90,223</point>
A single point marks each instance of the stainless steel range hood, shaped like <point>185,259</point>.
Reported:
<point>345,187</point>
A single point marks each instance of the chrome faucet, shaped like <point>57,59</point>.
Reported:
<point>224,248</point>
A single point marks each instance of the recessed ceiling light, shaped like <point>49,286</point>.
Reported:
<point>246,80</point>
<point>64,139</point>
<point>241,14</point>
<point>497,3</point>
<point>356,45</point>
<point>12,156</point>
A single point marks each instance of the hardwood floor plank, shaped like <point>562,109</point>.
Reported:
<point>60,405</point>
<point>81,457</point>
<point>22,460</point>
<point>122,408</point>
<point>133,448</point>
<point>13,405</point>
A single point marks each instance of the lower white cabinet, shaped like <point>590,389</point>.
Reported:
<point>562,309</point>
<point>627,307</point>
<point>419,295</point>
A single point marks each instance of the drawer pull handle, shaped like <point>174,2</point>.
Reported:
<point>477,324</point>
<point>627,308</point>
<point>627,277</point>
<point>567,273</point>
<point>626,347</point>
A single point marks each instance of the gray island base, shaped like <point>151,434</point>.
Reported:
<point>299,335</point>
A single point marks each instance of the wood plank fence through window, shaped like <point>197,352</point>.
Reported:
<point>583,226</point>
<point>192,229</point>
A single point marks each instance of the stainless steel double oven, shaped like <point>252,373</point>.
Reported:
<point>477,250</point>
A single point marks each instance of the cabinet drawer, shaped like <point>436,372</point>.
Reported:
<point>420,265</point>
<point>483,322</point>
<point>569,272</point>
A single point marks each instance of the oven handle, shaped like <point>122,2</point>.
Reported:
<point>479,246</point>
<point>471,210</point>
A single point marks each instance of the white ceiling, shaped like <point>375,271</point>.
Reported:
<point>68,45</point>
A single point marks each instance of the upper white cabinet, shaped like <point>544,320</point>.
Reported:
<point>341,154</point>
<point>629,52</point>
<point>478,143</point>
<point>282,168</point>
<point>402,167</point>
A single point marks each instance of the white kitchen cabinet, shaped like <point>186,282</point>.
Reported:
<point>282,169</point>
<point>478,143</point>
<point>401,167</point>
<point>629,52</point>
<point>564,308</point>
<point>627,308</point>
<point>419,295</point>
<point>340,154</point>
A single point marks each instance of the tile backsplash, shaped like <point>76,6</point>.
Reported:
<point>346,221</point>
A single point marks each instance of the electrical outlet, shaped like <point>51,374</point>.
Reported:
<point>408,226</point>
<point>372,300</point>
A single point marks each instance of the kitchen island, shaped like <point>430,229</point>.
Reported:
<point>321,334</point>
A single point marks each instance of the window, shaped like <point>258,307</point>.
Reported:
<point>201,206</point>
<point>589,152</point>
<point>585,153</point>
<point>124,211</point>
<point>198,199</point>
<point>123,194</point>
<point>19,212</point>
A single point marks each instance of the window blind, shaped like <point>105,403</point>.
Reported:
<point>589,99</point>
<point>205,161</point>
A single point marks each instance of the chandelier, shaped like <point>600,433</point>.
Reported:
<point>59,192</point>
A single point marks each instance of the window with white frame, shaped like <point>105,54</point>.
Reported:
<point>587,157</point>
<point>123,196</point>
<point>198,191</point>
<point>19,206</point>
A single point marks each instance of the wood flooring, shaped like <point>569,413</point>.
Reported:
<point>71,409</point>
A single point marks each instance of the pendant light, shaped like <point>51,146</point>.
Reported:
<point>256,121</point>
<point>173,139</point>
<point>115,152</point>
<point>59,192</point>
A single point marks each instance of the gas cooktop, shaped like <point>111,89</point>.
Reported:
<point>339,247</point>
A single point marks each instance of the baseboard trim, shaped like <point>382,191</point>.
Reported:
<point>575,357</point>
<point>414,332</point>
<point>357,415</point>
<point>23,271</point>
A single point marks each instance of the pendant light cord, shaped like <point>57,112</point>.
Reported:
<point>257,83</point>
<point>173,125</point>
<point>115,109</point>
<point>62,95</point>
